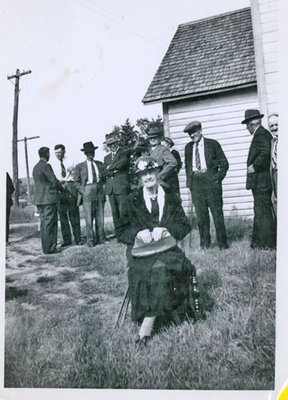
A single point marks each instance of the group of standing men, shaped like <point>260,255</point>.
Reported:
<point>62,187</point>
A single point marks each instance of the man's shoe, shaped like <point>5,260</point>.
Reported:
<point>65,244</point>
<point>79,243</point>
<point>90,244</point>
<point>142,341</point>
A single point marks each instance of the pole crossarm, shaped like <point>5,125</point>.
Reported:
<point>18,74</point>
<point>28,138</point>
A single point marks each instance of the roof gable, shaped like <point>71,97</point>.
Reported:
<point>206,55</point>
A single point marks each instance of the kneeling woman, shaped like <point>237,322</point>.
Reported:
<point>159,273</point>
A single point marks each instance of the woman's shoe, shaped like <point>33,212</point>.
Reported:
<point>142,341</point>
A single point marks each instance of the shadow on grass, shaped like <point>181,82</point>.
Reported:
<point>13,292</point>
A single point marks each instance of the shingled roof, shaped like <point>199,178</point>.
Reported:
<point>207,55</point>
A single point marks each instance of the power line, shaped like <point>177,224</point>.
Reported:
<point>123,24</point>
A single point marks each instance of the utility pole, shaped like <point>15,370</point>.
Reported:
<point>27,164</point>
<point>15,133</point>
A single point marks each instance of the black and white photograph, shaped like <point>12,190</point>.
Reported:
<point>145,224</point>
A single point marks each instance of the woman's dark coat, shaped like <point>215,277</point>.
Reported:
<point>157,283</point>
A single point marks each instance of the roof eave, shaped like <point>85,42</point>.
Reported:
<point>199,94</point>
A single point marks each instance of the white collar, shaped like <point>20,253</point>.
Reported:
<point>160,200</point>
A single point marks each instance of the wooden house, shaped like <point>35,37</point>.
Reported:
<point>209,73</point>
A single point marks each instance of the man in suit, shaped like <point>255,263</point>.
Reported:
<point>9,202</point>
<point>273,127</point>
<point>89,183</point>
<point>206,166</point>
<point>46,198</point>
<point>167,142</point>
<point>117,187</point>
<point>67,202</point>
<point>164,158</point>
<point>259,181</point>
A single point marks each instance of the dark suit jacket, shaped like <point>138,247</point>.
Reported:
<point>177,157</point>
<point>216,161</point>
<point>116,172</point>
<point>259,156</point>
<point>81,178</point>
<point>46,184</point>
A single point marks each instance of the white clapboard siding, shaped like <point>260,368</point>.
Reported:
<point>269,20</point>
<point>221,117</point>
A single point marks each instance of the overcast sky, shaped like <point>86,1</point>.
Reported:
<point>92,62</point>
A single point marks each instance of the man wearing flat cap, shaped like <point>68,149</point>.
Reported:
<point>46,198</point>
<point>89,180</point>
<point>206,166</point>
<point>117,187</point>
<point>259,181</point>
<point>164,158</point>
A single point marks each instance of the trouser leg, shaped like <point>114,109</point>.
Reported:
<point>216,207</point>
<point>87,207</point>
<point>48,227</point>
<point>99,221</point>
<point>115,211</point>
<point>264,228</point>
<point>64,221</point>
<point>203,220</point>
<point>74,217</point>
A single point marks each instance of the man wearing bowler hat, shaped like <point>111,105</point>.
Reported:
<point>89,181</point>
<point>163,156</point>
<point>117,187</point>
<point>206,166</point>
<point>259,181</point>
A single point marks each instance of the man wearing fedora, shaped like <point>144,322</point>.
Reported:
<point>206,166</point>
<point>89,183</point>
<point>164,158</point>
<point>259,181</point>
<point>117,187</point>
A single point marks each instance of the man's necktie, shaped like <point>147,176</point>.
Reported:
<point>274,155</point>
<point>197,157</point>
<point>155,209</point>
<point>63,170</point>
<point>94,176</point>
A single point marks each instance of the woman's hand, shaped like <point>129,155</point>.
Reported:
<point>145,236</point>
<point>157,233</point>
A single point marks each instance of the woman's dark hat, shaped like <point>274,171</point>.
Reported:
<point>112,138</point>
<point>154,131</point>
<point>251,114</point>
<point>88,146</point>
<point>169,141</point>
<point>145,164</point>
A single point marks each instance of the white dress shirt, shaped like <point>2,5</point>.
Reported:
<point>201,153</point>
<point>69,167</point>
<point>90,175</point>
<point>160,200</point>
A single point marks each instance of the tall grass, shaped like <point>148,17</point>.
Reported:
<point>59,332</point>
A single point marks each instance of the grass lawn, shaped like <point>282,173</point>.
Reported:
<point>60,311</point>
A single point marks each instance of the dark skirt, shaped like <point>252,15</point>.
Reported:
<point>158,284</point>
